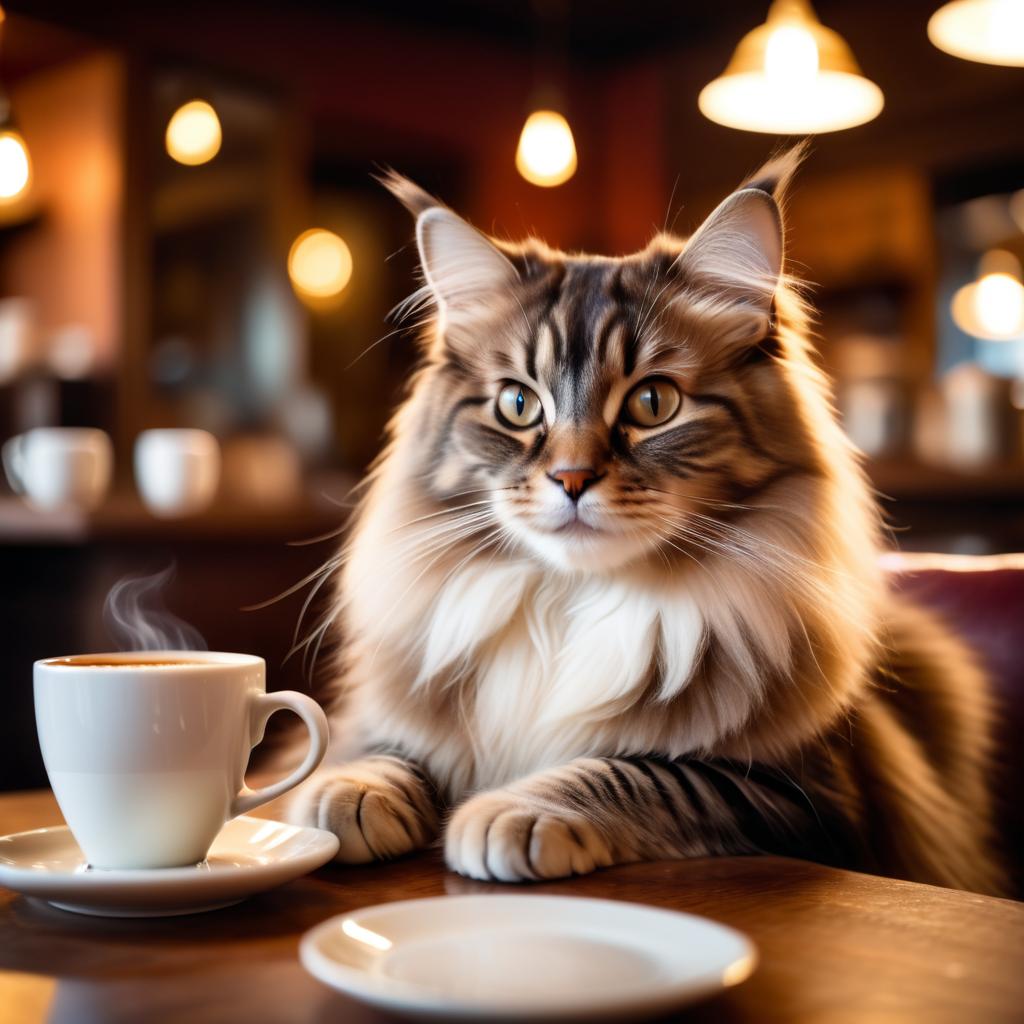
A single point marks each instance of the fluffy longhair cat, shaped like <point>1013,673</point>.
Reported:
<point>612,592</point>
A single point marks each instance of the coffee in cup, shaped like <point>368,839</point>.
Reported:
<point>146,752</point>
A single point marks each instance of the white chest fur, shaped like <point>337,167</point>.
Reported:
<point>550,658</point>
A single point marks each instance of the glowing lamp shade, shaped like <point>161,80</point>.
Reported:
<point>193,133</point>
<point>987,31</point>
<point>15,166</point>
<point>791,76</point>
<point>547,151</point>
<point>992,307</point>
<point>319,264</point>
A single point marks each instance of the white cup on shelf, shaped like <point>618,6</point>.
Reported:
<point>17,331</point>
<point>60,467</point>
<point>177,471</point>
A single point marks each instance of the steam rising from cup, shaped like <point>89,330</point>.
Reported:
<point>138,620</point>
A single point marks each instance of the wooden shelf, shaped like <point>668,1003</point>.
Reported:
<point>903,480</point>
<point>123,517</point>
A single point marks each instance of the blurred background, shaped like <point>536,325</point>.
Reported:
<point>191,236</point>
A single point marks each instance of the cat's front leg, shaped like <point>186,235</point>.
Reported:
<point>379,807</point>
<point>549,825</point>
<point>595,812</point>
<point>515,837</point>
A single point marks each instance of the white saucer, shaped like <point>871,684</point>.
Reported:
<point>525,957</point>
<point>248,856</point>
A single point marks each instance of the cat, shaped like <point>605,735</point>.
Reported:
<point>612,593</point>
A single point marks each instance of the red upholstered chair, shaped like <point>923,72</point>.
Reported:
<point>982,598</point>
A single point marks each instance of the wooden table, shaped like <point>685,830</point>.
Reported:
<point>835,946</point>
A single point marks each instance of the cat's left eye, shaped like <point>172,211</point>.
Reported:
<point>652,402</point>
<point>518,407</point>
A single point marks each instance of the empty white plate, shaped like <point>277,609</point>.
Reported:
<point>248,856</point>
<point>525,956</point>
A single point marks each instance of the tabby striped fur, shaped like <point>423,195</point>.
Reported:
<point>700,656</point>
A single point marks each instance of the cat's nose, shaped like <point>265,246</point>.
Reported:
<point>575,481</point>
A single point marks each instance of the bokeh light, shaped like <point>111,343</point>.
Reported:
<point>194,133</point>
<point>547,151</point>
<point>986,31</point>
<point>992,307</point>
<point>319,264</point>
<point>999,305</point>
<point>15,166</point>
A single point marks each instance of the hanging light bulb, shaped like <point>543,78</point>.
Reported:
<point>546,155</point>
<point>987,31</point>
<point>193,133</point>
<point>15,166</point>
<point>992,306</point>
<point>791,76</point>
<point>319,264</point>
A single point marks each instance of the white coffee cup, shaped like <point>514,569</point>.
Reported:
<point>17,328</point>
<point>146,752</point>
<point>56,467</point>
<point>177,471</point>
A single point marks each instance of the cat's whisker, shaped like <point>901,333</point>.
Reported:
<point>321,575</point>
<point>369,348</point>
<point>758,543</point>
<point>401,598</point>
<point>437,549</point>
<point>320,538</point>
<point>703,500</point>
<point>439,512</point>
<point>479,490</point>
<point>417,550</point>
<point>713,544</point>
<point>641,314</point>
<point>759,561</point>
<point>414,303</point>
<point>641,336</point>
<point>327,566</point>
<point>310,597</point>
<point>666,539</point>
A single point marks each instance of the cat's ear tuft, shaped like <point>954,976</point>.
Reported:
<point>775,176</point>
<point>462,266</point>
<point>407,192</point>
<point>736,254</point>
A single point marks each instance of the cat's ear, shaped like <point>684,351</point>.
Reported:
<point>462,267</point>
<point>736,254</point>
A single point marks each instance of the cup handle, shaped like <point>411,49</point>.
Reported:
<point>14,463</point>
<point>262,707</point>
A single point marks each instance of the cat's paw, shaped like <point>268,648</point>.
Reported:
<point>516,838</point>
<point>377,809</point>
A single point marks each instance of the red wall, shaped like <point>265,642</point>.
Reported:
<point>382,93</point>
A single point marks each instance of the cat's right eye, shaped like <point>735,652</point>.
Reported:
<point>518,407</point>
<point>652,402</point>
